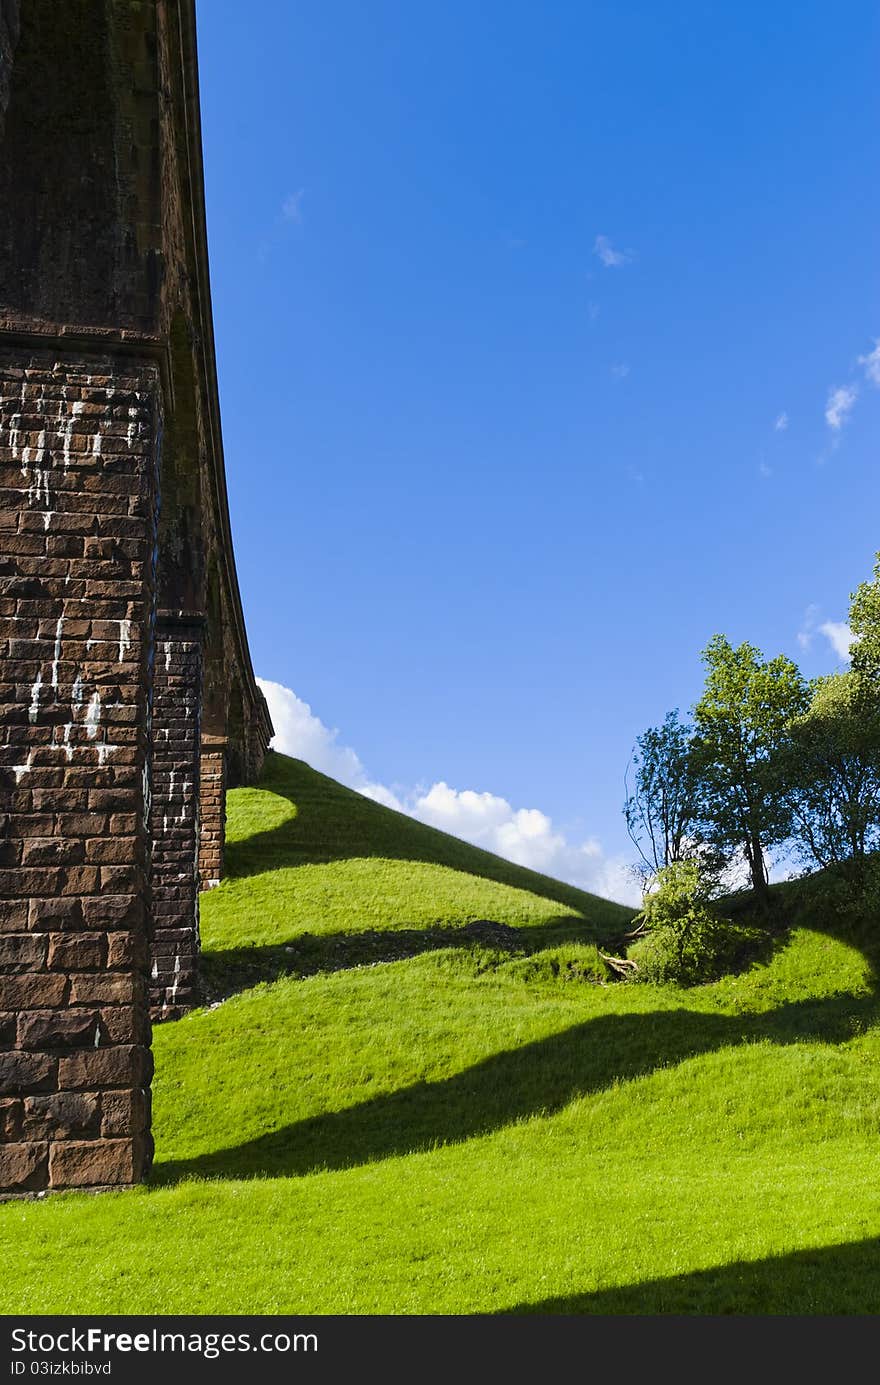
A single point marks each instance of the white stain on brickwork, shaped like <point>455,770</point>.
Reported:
<point>57,655</point>
<point>176,981</point>
<point>93,715</point>
<point>124,638</point>
<point>34,709</point>
<point>20,770</point>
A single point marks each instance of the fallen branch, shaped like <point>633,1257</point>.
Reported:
<point>624,966</point>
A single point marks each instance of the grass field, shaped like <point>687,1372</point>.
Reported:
<point>413,1114</point>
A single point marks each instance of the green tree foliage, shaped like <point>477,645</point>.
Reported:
<point>742,723</point>
<point>832,768</point>
<point>864,621</point>
<point>663,810</point>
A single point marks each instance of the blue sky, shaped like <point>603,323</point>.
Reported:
<point>529,321</point>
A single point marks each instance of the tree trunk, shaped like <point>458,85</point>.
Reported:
<point>758,868</point>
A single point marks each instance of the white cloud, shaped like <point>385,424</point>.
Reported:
<point>291,207</point>
<point>871,362</point>
<point>620,372</point>
<point>840,404</point>
<point>839,636</point>
<point>781,422</point>
<point>611,258</point>
<point>764,470</point>
<point>300,733</point>
<point>836,632</point>
<point>524,835</point>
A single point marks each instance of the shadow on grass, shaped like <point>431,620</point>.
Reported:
<point>537,1079</point>
<point>333,823</point>
<point>839,1279</point>
<point>231,970</point>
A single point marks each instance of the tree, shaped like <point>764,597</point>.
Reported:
<point>742,721</point>
<point>864,622</point>
<point>663,811</point>
<point>833,771</point>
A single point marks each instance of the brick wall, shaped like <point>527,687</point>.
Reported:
<point>212,811</point>
<point>78,466</point>
<point>174,819</point>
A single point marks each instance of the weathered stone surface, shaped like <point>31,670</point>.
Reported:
<point>175,812</point>
<point>60,1115</point>
<point>22,952</point>
<point>125,1113</point>
<point>58,1029</point>
<point>10,1120</point>
<point>36,992</point>
<point>120,988</point>
<point>26,1072</point>
<point>125,1065</point>
<point>79,952</point>
<point>108,400</point>
<point>96,1163</point>
<point>23,1167</point>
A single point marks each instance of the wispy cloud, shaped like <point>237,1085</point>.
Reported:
<point>620,372</point>
<point>611,258</point>
<point>764,470</point>
<point>525,835</point>
<point>291,207</point>
<point>781,422</point>
<point>808,626</point>
<point>841,401</point>
<point>593,311</point>
<point>871,363</point>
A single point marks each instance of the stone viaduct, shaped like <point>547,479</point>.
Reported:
<point>128,698</point>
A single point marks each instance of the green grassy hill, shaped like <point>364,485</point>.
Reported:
<point>398,1108</point>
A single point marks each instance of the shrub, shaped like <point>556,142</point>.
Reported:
<point>711,949</point>
<point>686,941</point>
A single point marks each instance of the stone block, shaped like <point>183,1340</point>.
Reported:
<point>124,1065</point>
<point>23,951</point>
<point>96,1163</point>
<point>125,1113</point>
<point>26,1072</point>
<point>58,1029</point>
<point>77,951</point>
<point>111,988</point>
<point>60,1115</point>
<point>23,1167</point>
<point>40,991</point>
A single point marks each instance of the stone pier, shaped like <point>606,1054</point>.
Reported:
<point>120,614</point>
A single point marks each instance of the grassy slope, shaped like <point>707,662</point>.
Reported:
<point>465,1130</point>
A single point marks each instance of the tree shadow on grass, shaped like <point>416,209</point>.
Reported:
<point>228,971</point>
<point>333,823</point>
<point>840,1279</point>
<point>537,1079</point>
